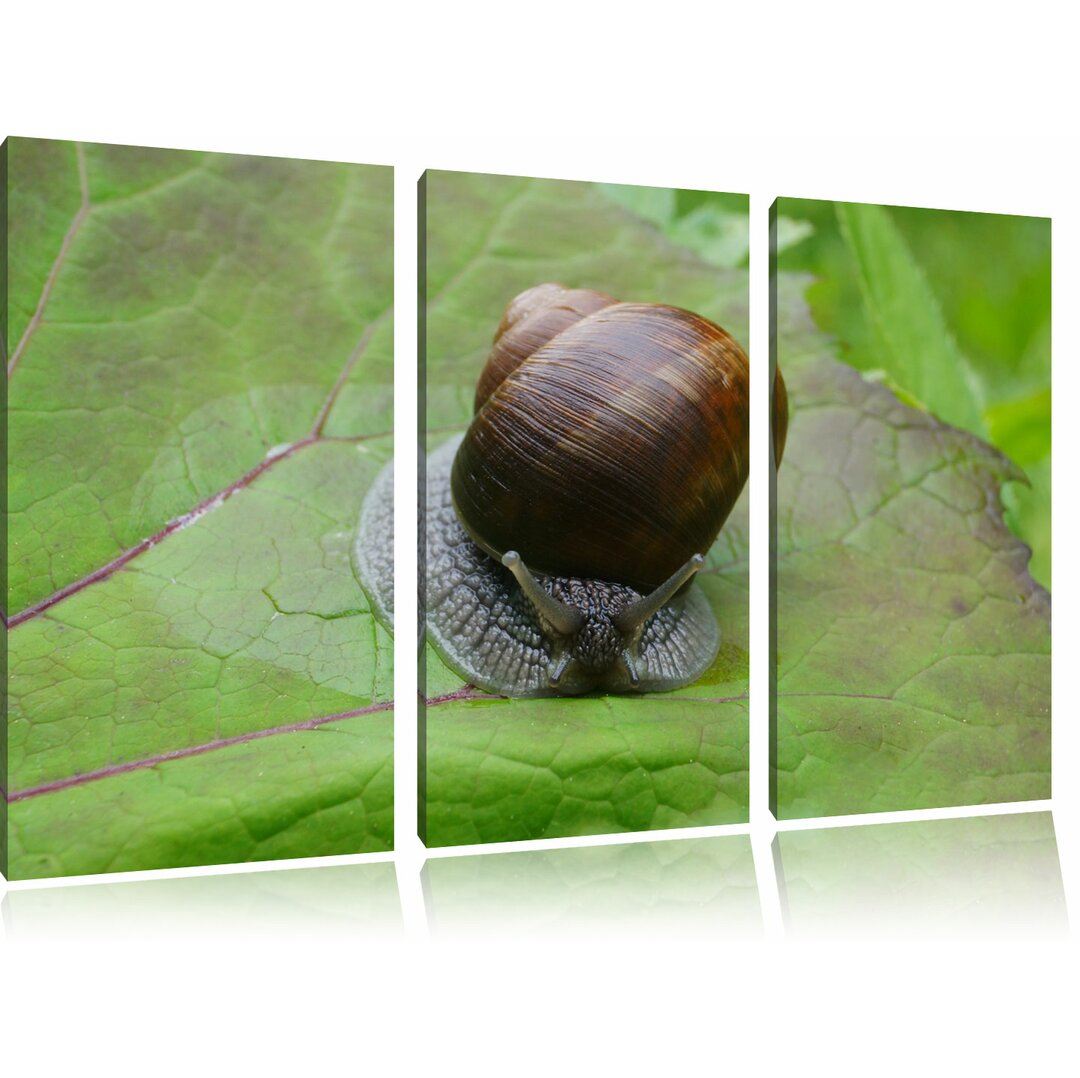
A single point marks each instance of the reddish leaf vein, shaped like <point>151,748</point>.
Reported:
<point>175,525</point>
<point>343,377</point>
<point>219,743</point>
<point>192,750</point>
<point>65,246</point>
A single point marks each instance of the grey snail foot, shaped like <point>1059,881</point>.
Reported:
<point>373,547</point>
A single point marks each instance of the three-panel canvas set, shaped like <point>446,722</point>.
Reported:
<point>199,593</point>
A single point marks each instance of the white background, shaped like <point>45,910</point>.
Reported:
<point>942,105</point>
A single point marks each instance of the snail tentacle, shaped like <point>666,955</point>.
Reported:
<point>556,675</point>
<point>562,617</point>
<point>638,613</point>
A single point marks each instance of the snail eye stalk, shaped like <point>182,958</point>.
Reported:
<point>556,675</point>
<point>563,618</point>
<point>639,612</point>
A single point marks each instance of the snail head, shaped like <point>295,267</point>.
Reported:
<point>595,627</point>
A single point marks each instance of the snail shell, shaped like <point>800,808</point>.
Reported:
<point>609,444</point>
<point>614,451</point>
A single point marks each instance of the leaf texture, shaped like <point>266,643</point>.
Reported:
<point>200,379</point>
<point>913,647</point>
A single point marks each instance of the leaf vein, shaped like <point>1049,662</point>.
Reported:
<point>61,257</point>
<point>192,750</point>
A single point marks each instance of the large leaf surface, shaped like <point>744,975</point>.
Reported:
<point>913,647</point>
<point>502,769</point>
<point>200,382</point>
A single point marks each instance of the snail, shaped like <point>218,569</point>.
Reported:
<point>608,445</point>
<point>373,546</point>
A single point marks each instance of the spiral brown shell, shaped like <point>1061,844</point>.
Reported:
<point>530,320</point>
<point>615,448</point>
<point>779,418</point>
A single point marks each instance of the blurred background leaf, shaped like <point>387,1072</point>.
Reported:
<point>952,310</point>
<point>712,224</point>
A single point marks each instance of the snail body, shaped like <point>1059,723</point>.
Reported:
<point>608,446</point>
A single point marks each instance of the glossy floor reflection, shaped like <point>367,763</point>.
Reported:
<point>340,901</point>
<point>978,876</point>
<point>703,887</point>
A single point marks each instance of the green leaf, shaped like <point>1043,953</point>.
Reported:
<point>991,275</point>
<point>714,226</point>
<point>1023,424</point>
<point>1027,512</point>
<point>502,769</point>
<point>913,646</point>
<point>200,397</point>
<point>790,231</point>
<point>975,285</point>
<point>653,204</point>
<point>719,237</point>
<point>913,341</point>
